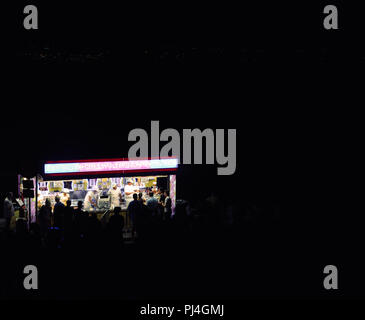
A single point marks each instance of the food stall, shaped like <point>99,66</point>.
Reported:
<point>92,180</point>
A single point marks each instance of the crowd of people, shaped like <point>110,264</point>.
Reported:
<point>101,256</point>
<point>148,221</point>
<point>80,223</point>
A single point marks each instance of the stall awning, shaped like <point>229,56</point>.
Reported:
<point>108,166</point>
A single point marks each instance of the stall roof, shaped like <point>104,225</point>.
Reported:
<point>109,166</point>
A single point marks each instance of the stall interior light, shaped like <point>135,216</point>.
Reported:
<point>110,166</point>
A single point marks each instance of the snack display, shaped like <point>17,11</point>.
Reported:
<point>104,183</point>
<point>55,186</point>
<point>79,185</point>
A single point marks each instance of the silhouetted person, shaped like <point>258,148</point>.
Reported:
<point>152,205</point>
<point>116,225</point>
<point>93,227</point>
<point>58,213</point>
<point>167,206</point>
<point>84,221</point>
<point>161,202</point>
<point>8,210</point>
<point>162,195</point>
<point>44,217</point>
<point>78,214</point>
<point>21,223</point>
<point>79,211</point>
<point>134,211</point>
<point>140,198</point>
<point>68,216</point>
<point>144,222</point>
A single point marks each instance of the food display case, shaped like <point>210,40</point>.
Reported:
<point>78,190</point>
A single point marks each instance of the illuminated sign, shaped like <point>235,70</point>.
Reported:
<point>110,166</point>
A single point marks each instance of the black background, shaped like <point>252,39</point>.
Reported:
<point>93,72</point>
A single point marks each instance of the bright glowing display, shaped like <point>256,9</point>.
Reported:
<point>110,166</point>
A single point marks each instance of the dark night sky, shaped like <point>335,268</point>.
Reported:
<point>269,70</point>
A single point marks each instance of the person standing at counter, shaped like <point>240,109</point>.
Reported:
<point>167,205</point>
<point>129,190</point>
<point>140,198</point>
<point>44,217</point>
<point>91,199</point>
<point>134,212</point>
<point>116,225</point>
<point>65,196</point>
<point>79,217</point>
<point>115,196</point>
<point>152,204</point>
<point>68,216</point>
<point>58,213</point>
<point>161,202</point>
<point>161,193</point>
